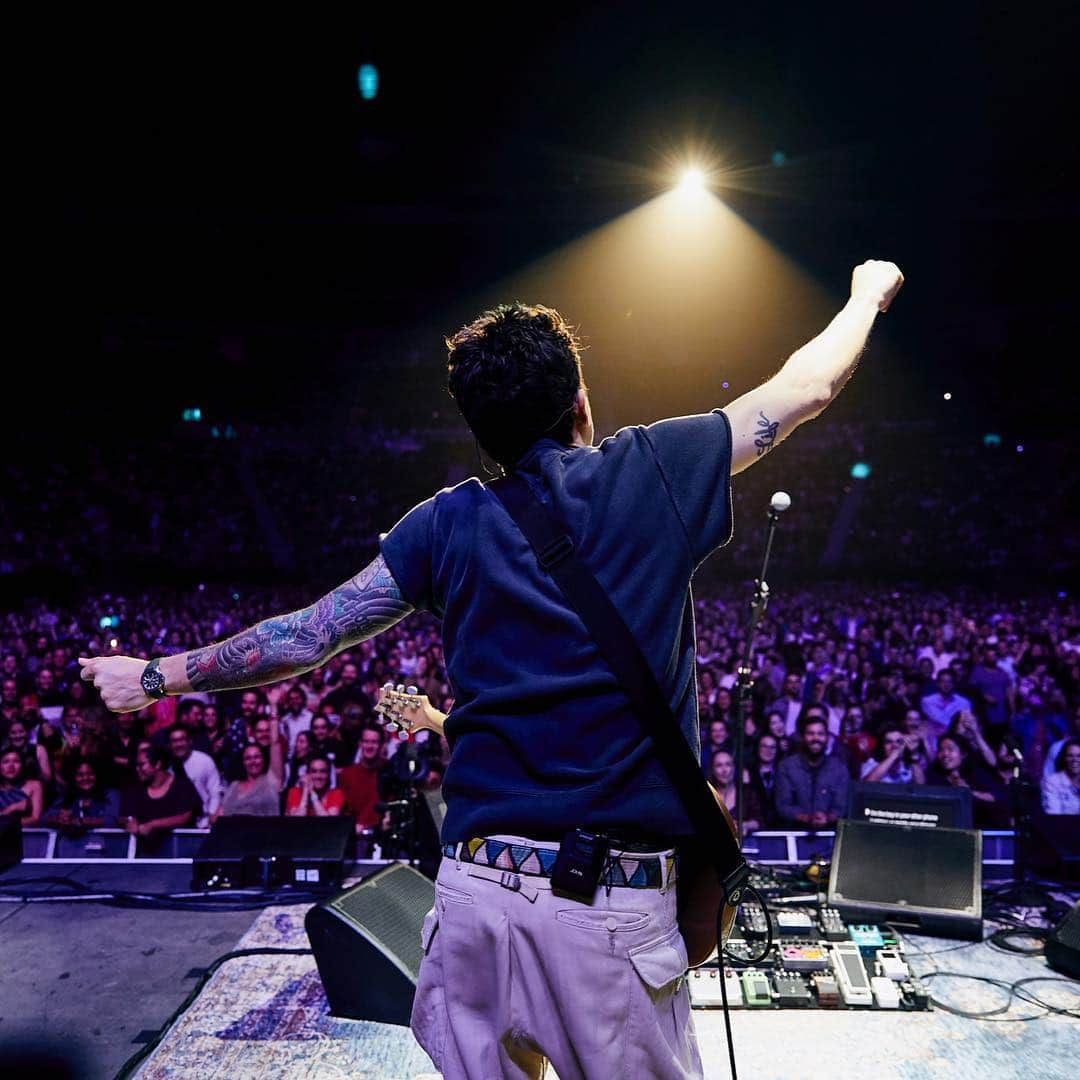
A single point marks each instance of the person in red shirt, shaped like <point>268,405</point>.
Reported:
<point>313,796</point>
<point>360,782</point>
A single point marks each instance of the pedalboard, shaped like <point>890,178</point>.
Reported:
<point>815,961</point>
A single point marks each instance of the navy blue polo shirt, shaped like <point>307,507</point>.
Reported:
<point>542,736</point>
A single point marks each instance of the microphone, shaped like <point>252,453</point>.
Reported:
<point>780,501</point>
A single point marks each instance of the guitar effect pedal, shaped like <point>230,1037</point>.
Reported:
<point>832,925</point>
<point>705,990</point>
<point>756,988</point>
<point>804,956</point>
<point>753,920</point>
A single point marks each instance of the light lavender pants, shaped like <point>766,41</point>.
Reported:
<point>514,975</point>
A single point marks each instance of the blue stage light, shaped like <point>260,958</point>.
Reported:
<point>368,80</point>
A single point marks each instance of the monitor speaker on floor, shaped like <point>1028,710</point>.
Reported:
<point>366,942</point>
<point>1063,944</point>
<point>928,881</point>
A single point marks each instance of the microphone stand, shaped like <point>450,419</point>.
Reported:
<point>1021,892</point>
<point>743,683</point>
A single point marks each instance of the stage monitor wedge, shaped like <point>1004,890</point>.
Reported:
<point>1063,945</point>
<point>367,944</point>
<point>928,881</point>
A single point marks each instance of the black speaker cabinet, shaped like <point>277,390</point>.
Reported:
<point>928,881</point>
<point>1063,945</point>
<point>366,942</point>
<point>307,853</point>
<point>11,849</point>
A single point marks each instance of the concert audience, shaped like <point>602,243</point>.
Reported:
<point>360,782</point>
<point>812,787</point>
<point>869,656</point>
<point>899,763</point>
<point>259,793</point>
<point>35,759</point>
<point>159,801</point>
<point>1061,793</point>
<point>957,766</point>
<point>763,775</point>
<point>199,768</point>
<point>314,796</point>
<point>19,794</point>
<point>718,738</point>
<point>722,775</point>
<point>87,803</point>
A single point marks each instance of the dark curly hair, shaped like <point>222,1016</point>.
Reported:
<point>514,372</point>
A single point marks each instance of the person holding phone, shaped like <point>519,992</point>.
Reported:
<point>899,762</point>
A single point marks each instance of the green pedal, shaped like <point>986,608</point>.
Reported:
<point>756,988</point>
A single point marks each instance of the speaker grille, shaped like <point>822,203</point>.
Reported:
<point>935,869</point>
<point>1068,931</point>
<point>389,907</point>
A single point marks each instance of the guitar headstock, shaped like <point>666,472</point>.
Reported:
<point>399,708</point>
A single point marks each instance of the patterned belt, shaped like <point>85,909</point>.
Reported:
<point>624,869</point>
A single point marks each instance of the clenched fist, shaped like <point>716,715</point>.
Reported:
<point>117,679</point>
<point>877,281</point>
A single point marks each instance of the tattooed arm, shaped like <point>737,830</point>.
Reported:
<point>274,649</point>
<point>814,374</point>
<point>286,645</point>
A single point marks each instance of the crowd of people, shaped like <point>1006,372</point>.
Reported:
<point>895,685</point>
<point>904,686</point>
<point>286,500</point>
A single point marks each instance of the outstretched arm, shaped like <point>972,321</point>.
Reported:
<point>814,374</point>
<point>274,649</point>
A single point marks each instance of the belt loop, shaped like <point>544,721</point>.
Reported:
<point>457,853</point>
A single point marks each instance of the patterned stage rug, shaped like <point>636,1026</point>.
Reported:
<point>266,1016</point>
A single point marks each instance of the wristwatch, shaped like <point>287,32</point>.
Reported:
<point>153,682</point>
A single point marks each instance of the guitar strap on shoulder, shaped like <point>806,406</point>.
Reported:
<point>555,554</point>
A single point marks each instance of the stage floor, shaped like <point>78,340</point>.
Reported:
<point>83,980</point>
<point>87,979</point>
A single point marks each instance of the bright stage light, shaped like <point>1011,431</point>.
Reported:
<point>692,180</point>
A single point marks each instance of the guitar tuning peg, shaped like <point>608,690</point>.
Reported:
<point>400,688</point>
<point>412,690</point>
<point>391,726</point>
<point>403,735</point>
<point>388,686</point>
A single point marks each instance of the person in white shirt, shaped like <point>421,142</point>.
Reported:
<point>790,703</point>
<point>200,770</point>
<point>941,707</point>
<point>408,660</point>
<point>937,655</point>
<point>1061,793</point>
<point>295,717</point>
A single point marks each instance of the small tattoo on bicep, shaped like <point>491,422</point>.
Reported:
<point>765,437</point>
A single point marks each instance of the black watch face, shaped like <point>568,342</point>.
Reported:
<point>153,682</point>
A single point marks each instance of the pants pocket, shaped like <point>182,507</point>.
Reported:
<point>429,1020</point>
<point>660,1005</point>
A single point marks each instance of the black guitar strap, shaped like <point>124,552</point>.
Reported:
<point>555,554</point>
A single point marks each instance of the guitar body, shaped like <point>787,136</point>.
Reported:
<point>700,894</point>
